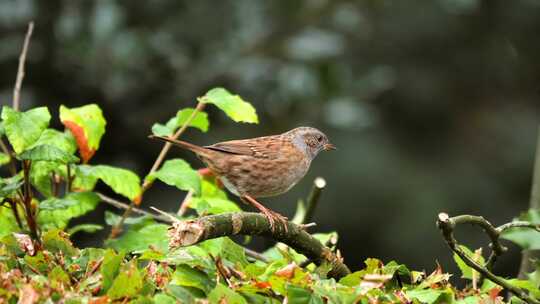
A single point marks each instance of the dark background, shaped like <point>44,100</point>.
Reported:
<point>433,104</point>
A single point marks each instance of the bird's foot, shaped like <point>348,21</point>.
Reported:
<point>273,218</point>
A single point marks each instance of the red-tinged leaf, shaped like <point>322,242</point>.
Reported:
<point>87,125</point>
<point>287,271</point>
<point>82,142</point>
<point>262,285</point>
<point>494,292</point>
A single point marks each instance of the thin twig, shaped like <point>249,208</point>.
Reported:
<point>447,224</point>
<point>20,70</point>
<point>159,160</point>
<point>30,215</point>
<point>256,255</point>
<point>185,203</point>
<point>313,199</point>
<point>69,178</point>
<point>124,206</point>
<point>534,203</point>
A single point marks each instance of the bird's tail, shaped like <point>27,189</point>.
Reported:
<point>184,144</point>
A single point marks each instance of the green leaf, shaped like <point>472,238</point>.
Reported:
<point>24,128</point>
<point>190,277</point>
<point>178,173</point>
<point>48,153</point>
<point>466,270</point>
<point>527,285</point>
<point>83,178</point>
<point>427,296</point>
<point>110,267</point>
<point>140,239</point>
<point>526,238</point>
<point>4,158</point>
<point>200,121</point>
<point>41,172</point>
<point>233,105</point>
<point>213,205</point>
<point>121,181</point>
<point>55,212</point>
<point>225,248</point>
<point>87,125</point>
<point>128,283</point>
<point>88,228</point>
<point>61,140</point>
<point>56,240</point>
<point>7,222</point>
<point>161,298</point>
<point>223,294</point>
<point>9,185</point>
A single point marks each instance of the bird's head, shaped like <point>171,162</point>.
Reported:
<point>310,140</point>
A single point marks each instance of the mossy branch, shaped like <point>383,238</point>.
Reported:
<point>186,233</point>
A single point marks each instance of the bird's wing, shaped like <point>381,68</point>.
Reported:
<point>268,147</point>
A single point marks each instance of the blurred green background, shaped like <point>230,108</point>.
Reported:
<point>433,104</point>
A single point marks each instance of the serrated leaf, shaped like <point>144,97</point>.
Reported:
<point>9,185</point>
<point>178,173</point>
<point>4,158</point>
<point>47,153</point>
<point>57,213</point>
<point>83,179</point>
<point>121,181</point>
<point>233,105</point>
<point>427,296</point>
<point>24,128</point>
<point>87,125</point>
<point>225,248</point>
<point>128,283</point>
<point>223,294</point>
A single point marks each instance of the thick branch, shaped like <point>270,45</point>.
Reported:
<point>186,233</point>
<point>447,224</point>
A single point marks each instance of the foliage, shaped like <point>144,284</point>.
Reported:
<point>38,262</point>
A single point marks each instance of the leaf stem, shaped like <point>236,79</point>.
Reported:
<point>20,70</point>
<point>157,163</point>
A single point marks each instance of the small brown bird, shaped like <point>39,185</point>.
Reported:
<point>263,166</point>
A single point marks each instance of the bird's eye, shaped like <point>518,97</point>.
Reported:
<point>319,138</point>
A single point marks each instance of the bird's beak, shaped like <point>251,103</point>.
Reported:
<point>329,147</point>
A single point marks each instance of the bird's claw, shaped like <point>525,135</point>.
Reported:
<point>274,217</point>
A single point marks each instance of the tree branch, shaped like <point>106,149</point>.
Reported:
<point>447,224</point>
<point>20,70</point>
<point>186,233</point>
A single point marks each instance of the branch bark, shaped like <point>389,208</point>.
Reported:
<point>186,233</point>
<point>447,224</point>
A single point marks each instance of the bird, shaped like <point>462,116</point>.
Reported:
<point>263,166</point>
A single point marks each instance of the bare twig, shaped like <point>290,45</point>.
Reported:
<point>185,203</point>
<point>186,233</point>
<point>534,203</point>
<point>159,160</point>
<point>447,224</point>
<point>125,206</point>
<point>20,70</point>
<point>256,255</point>
<point>30,215</point>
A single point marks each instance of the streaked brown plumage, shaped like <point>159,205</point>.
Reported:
<point>263,166</point>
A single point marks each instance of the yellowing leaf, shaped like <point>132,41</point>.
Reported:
<point>233,105</point>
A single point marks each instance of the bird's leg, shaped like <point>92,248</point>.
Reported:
<point>272,216</point>
<point>208,174</point>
